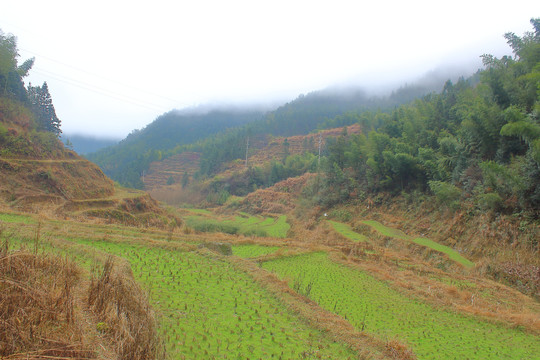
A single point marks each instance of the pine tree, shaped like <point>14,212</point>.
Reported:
<point>41,101</point>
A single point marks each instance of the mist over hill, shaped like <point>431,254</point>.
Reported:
<point>85,144</point>
<point>126,161</point>
<point>209,126</point>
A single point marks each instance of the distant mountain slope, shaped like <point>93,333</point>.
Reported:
<point>270,160</point>
<point>126,161</point>
<point>171,170</point>
<point>209,132</point>
<point>175,168</point>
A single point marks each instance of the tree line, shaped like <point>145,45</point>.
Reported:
<point>478,140</point>
<point>36,98</point>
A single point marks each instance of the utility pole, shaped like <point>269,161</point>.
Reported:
<point>247,148</point>
<point>320,143</point>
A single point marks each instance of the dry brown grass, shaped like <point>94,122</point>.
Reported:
<point>37,317</point>
<point>124,313</point>
<point>397,350</point>
<point>504,247</point>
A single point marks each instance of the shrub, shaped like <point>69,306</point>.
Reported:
<point>341,215</point>
<point>215,227</point>
<point>489,201</point>
<point>446,194</point>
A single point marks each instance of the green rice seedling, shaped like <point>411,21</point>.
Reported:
<point>217,310</point>
<point>253,250</point>
<point>16,218</point>
<point>373,306</point>
<point>452,254</point>
<point>279,228</point>
<point>386,231</point>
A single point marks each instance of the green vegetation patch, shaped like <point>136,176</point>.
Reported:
<point>386,231</point>
<point>373,306</point>
<point>210,309</point>
<point>398,234</point>
<point>253,250</point>
<point>243,224</point>
<point>346,231</point>
<point>205,224</point>
<point>16,218</point>
<point>452,254</point>
<point>200,211</point>
<point>279,228</point>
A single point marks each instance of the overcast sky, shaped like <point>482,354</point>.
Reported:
<point>114,66</point>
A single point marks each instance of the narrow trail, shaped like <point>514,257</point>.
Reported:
<point>44,161</point>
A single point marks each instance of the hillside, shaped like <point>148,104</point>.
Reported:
<point>52,306</point>
<point>35,165</point>
<point>467,156</point>
<point>207,130</point>
<point>261,151</point>
<point>171,170</point>
<point>126,161</point>
<point>409,233</point>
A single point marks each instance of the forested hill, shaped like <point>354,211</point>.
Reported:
<point>220,135</point>
<point>474,146</point>
<point>125,161</point>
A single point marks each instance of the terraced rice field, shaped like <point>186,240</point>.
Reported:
<point>253,250</point>
<point>373,306</point>
<point>211,310</point>
<point>15,218</point>
<point>346,231</point>
<point>241,224</point>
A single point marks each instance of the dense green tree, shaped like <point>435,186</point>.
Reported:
<point>11,74</point>
<point>185,180</point>
<point>478,139</point>
<point>42,105</point>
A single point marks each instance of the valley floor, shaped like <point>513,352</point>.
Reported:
<point>332,293</point>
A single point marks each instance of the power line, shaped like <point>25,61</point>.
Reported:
<point>97,75</point>
<point>99,90</point>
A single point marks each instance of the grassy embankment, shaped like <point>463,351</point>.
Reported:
<point>398,234</point>
<point>347,231</point>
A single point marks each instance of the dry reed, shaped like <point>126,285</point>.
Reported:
<point>37,318</point>
<point>124,313</point>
